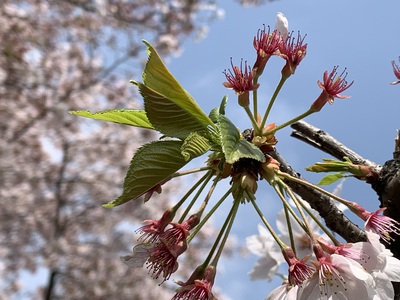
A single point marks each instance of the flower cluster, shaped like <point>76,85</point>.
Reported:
<point>361,270</point>
<point>319,266</point>
<point>160,248</point>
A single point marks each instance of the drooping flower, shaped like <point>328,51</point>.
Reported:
<point>199,286</point>
<point>151,231</point>
<point>241,81</point>
<point>160,248</point>
<point>162,259</point>
<point>293,51</point>
<point>331,86</point>
<point>159,258</point>
<point>179,231</point>
<point>298,269</point>
<point>396,71</point>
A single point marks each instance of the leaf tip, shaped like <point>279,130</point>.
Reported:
<point>134,82</point>
<point>109,204</point>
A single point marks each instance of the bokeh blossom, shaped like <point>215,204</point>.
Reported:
<point>264,246</point>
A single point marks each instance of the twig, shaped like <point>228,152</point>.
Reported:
<point>326,143</point>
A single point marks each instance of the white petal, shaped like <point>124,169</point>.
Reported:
<point>265,268</point>
<point>282,25</point>
<point>282,293</point>
<point>392,268</point>
<point>349,266</point>
<point>383,287</point>
<point>140,254</point>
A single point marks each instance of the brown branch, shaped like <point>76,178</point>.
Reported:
<point>326,143</point>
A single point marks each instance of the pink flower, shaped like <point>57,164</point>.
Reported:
<point>159,258</point>
<point>331,86</point>
<point>179,232</point>
<point>199,286</point>
<point>241,81</point>
<point>152,229</point>
<point>163,259</point>
<point>266,45</point>
<point>298,269</point>
<point>337,277</point>
<point>376,260</point>
<point>384,226</point>
<point>396,70</point>
<point>293,51</point>
<point>238,80</point>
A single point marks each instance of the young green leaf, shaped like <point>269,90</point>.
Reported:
<point>233,145</point>
<point>166,116</point>
<point>218,110</point>
<point>157,77</point>
<point>194,145</point>
<point>331,178</point>
<point>130,117</point>
<point>152,164</point>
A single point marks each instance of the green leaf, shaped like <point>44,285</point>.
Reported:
<point>194,145</point>
<point>166,116</point>
<point>131,117</point>
<point>233,145</point>
<point>152,164</point>
<point>157,77</point>
<point>331,178</point>
<point>218,110</point>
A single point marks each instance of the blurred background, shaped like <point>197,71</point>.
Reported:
<point>56,170</point>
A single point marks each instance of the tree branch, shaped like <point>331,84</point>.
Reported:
<point>326,143</point>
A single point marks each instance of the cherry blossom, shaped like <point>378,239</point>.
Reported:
<point>264,246</point>
<point>331,86</point>
<point>383,225</point>
<point>293,51</point>
<point>337,277</point>
<point>284,291</point>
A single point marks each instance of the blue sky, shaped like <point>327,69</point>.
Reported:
<point>360,35</point>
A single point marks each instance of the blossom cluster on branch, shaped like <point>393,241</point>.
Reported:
<point>320,265</point>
